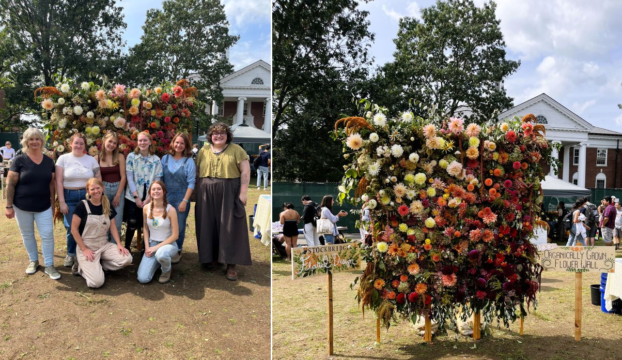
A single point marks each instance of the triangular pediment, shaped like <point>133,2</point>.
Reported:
<point>255,75</point>
<point>557,116</point>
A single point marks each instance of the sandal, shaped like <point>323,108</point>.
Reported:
<point>232,274</point>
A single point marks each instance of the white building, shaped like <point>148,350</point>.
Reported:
<point>589,153</point>
<point>247,96</point>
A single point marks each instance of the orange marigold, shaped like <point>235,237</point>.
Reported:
<point>524,166</point>
<point>488,182</point>
<point>403,278</point>
<point>436,258</point>
<point>497,172</point>
<point>421,288</point>
<point>428,247</point>
<point>393,250</point>
<point>492,191</point>
<point>413,269</point>
<point>379,284</point>
<point>457,234</point>
<point>391,295</point>
<point>470,187</point>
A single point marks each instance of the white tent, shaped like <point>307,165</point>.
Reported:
<point>243,133</point>
<point>553,186</point>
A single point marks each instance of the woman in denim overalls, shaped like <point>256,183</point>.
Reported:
<point>179,178</point>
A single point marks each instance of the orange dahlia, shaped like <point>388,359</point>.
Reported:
<point>421,288</point>
<point>379,284</point>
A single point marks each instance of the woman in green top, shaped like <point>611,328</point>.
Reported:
<point>223,174</point>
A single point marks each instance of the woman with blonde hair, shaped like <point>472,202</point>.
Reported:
<point>30,192</point>
<point>161,230</point>
<point>92,219</point>
<point>73,170</point>
<point>179,177</point>
<point>143,167</point>
<point>112,166</point>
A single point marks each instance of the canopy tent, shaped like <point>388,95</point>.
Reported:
<point>553,186</point>
<point>243,133</point>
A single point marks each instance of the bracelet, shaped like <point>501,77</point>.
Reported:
<point>9,207</point>
<point>186,201</point>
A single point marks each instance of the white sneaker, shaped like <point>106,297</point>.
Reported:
<point>175,259</point>
<point>51,271</point>
<point>32,267</point>
<point>69,260</point>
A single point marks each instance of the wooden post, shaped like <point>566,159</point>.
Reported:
<point>378,330</point>
<point>477,332</point>
<point>522,320</point>
<point>427,335</point>
<point>578,305</point>
<point>329,278</point>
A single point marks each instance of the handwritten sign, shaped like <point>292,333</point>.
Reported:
<point>315,260</point>
<point>577,258</point>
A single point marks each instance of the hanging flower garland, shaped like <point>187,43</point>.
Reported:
<point>453,206</point>
<point>95,110</point>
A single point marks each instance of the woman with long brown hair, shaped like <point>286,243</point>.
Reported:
<point>92,219</point>
<point>112,166</point>
<point>161,231</point>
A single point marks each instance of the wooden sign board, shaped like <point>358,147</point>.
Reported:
<point>316,260</point>
<point>577,258</point>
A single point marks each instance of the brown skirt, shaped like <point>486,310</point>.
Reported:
<point>222,231</point>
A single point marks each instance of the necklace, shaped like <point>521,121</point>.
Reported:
<point>219,152</point>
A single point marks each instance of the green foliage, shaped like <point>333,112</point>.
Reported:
<point>453,57</point>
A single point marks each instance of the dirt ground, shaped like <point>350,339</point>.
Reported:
<point>300,325</point>
<point>197,315</point>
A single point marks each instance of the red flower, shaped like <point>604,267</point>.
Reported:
<point>516,165</point>
<point>481,295</point>
<point>174,106</point>
<point>178,91</point>
<point>401,298</point>
<point>510,136</point>
<point>403,210</point>
<point>412,297</point>
<point>165,97</point>
<point>167,119</point>
<point>160,134</point>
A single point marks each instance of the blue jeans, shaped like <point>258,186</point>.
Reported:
<point>72,198</point>
<point>26,221</point>
<point>162,257</point>
<point>573,238</point>
<point>263,171</point>
<point>175,196</point>
<point>329,239</point>
<point>110,190</point>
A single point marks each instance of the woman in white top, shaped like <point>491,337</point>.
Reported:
<point>73,170</point>
<point>617,231</point>
<point>576,222</point>
<point>161,228</point>
<point>327,213</point>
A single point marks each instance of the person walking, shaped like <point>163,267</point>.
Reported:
<point>608,221</point>
<point>8,153</point>
<point>30,193</point>
<point>290,219</point>
<point>592,219</point>
<point>561,213</point>
<point>577,210</point>
<point>617,232</point>
<point>161,232</point>
<point>327,213</point>
<point>309,214</point>
<point>112,166</point>
<point>93,220</point>
<point>265,160</point>
<point>223,172</point>
<point>179,177</point>
<point>73,170</point>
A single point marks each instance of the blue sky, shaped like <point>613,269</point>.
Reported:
<point>250,19</point>
<point>569,49</point>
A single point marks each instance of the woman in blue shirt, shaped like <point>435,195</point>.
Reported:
<point>179,178</point>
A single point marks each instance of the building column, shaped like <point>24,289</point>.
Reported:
<point>239,116</point>
<point>214,108</point>
<point>267,121</point>
<point>582,159</point>
<point>566,168</point>
<point>555,156</point>
<point>249,113</point>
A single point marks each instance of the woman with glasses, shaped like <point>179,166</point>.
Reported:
<point>223,172</point>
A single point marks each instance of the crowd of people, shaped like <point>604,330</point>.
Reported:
<point>587,219</point>
<point>96,195</point>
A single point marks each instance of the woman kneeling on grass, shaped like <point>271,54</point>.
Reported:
<point>92,219</point>
<point>161,228</point>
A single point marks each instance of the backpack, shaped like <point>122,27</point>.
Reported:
<point>256,162</point>
<point>591,214</point>
<point>568,221</point>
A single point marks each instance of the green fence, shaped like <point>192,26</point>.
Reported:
<point>598,194</point>
<point>293,192</point>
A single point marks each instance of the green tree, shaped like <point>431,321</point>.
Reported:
<point>187,39</point>
<point>44,38</point>
<point>316,45</point>
<point>453,57</point>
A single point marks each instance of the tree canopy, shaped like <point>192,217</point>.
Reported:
<point>453,60</point>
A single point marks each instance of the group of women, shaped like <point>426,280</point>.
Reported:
<point>96,194</point>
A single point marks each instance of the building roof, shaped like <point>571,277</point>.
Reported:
<point>602,131</point>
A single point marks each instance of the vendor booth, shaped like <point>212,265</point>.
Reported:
<point>556,191</point>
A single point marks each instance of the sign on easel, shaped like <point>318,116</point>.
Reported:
<point>316,260</point>
<point>577,259</point>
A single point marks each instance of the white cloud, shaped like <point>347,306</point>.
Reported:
<point>244,12</point>
<point>580,108</point>
<point>246,52</point>
<point>412,10</point>
<point>392,13</point>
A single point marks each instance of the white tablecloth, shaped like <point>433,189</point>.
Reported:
<point>613,289</point>
<point>539,236</point>
<point>263,216</point>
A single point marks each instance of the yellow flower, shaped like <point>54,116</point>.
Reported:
<point>406,247</point>
<point>428,241</point>
<point>473,141</point>
<point>135,102</point>
<point>495,156</point>
<point>382,246</point>
<point>443,164</point>
<point>95,130</point>
<point>403,227</point>
<point>158,90</point>
<point>385,200</point>
<point>430,223</point>
<point>431,192</point>
<point>445,196</point>
<point>420,178</point>
<point>505,127</point>
<point>114,105</point>
<point>409,178</point>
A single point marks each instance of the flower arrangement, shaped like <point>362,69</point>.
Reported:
<point>453,206</point>
<point>95,110</point>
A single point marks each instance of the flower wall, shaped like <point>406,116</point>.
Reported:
<point>95,110</point>
<point>453,206</point>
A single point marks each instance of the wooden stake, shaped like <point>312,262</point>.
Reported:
<point>378,330</point>
<point>522,320</point>
<point>329,278</point>
<point>477,332</point>
<point>427,335</point>
<point>578,305</point>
